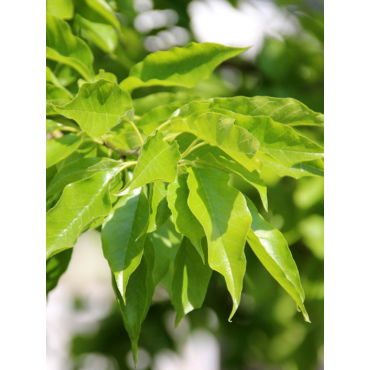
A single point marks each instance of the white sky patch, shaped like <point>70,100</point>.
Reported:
<point>217,21</point>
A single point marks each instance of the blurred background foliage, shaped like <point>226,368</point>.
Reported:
<point>267,333</point>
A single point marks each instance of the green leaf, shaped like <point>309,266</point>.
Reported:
<point>62,46</point>
<point>313,168</point>
<point>151,120</point>
<point>287,111</point>
<point>79,170</point>
<point>103,35</point>
<point>190,280</point>
<point>98,107</point>
<point>87,149</point>
<point>159,211</point>
<point>186,223</point>
<point>158,162</point>
<point>238,143</point>
<point>149,102</point>
<point>276,139</point>
<point>103,8</point>
<point>166,242</point>
<point>184,66</point>
<point>214,157</point>
<point>272,250</point>
<point>58,149</point>
<point>223,213</point>
<point>56,266</point>
<point>55,95</point>
<point>139,293</point>
<point>81,203</point>
<point>60,8</point>
<point>51,78</point>
<point>121,246</point>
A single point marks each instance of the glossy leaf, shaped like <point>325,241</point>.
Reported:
<point>272,250</point>
<point>60,8</point>
<point>238,143</point>
<point>309,168</point>
<point>81,203</point>
<point>212,156</point>
<point>223,213</point>
<point>186,223</point>
<point>103,35</point>
<point>62,46</point>
<point>58,149</point>
<point>55,95</point>
<point>159,211</point>
<point>190,279</point>
<point>98,107</point>
<point>158,162</point>
<point>149,102</point>
<point>56,266</point>
<point>79,170</point>
<point>139,293</point>
<point>121,246</point>
<point>151,120</point>
<point>284,110</point>
<point>184,66</point>
<point>276,139</point>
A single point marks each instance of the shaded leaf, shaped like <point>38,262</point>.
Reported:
<point>190,279</point>
<point>81,203</point>
<point>103,35</point>
<point>97,107</point>
<point>120,231</point>
<point>58,149</point>
<point>79,170</point>
<point>186,223</point>
<point>184,66</point>
<point>309,168</point>
<point>159,211</point>
<point>62,46</point>
<point>56,266</point>
<point>149,102</point>
<point>158,161</point>
<point>55,95</point>
<point>272,250</point>
<point>223,213</point>
<point>212,156</point>
<point>139,293</point>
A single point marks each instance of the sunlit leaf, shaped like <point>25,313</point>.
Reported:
<point>62,46</point>
<point>98,107</point>
<point>55,95</point>
<point>272,250</point>
<point>158,162</point>
<point>121,229</point>
<point>184,66</point>
<point>81,203</point>
<point>58,149</point>
<point>60,8</point>
<point>223,213</point>
<point>79,170</point>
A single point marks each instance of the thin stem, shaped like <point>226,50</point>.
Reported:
<point>172,136</point>
<point>164,124</point>
<point>137,133</point>
<point>184,162</point>
<point>187,151</point>
<point>127,164</point>
<point>101,142</point>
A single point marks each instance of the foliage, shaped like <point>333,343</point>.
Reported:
<point>136,168</point>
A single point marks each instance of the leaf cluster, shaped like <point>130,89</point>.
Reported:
<point>152,174</point>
